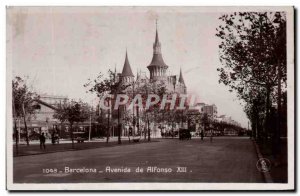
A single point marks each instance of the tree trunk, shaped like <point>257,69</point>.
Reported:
<point>253,134</point>
<point>148,122</point>
<point>119,127</point>
<point>259,128</point>
<point>60,130</point>
<point>25,124</point>
<point>256,121</point>
<point>172,129</point>
<point>267,120</point>
<point>72,136</point>
<point>102,122</point>
<point>16,136</point>
<point>26,132</point>
<point>15,124</point>
<point>108,125</point>
<point>182,119</point>
<point>277,143</point>
<point>145,131</point>
<point>137,119</point>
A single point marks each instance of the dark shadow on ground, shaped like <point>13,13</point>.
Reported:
<point>34,149</point>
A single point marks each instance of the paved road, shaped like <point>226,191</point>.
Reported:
<point>34,147</point>
<point>224,160</point>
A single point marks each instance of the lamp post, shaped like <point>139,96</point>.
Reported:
<point>90,125</point>
<point>119,126</point>
<point>19,129</point>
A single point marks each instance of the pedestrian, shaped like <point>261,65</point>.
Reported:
<point>53,138</point>
<point>202,135</point>
<point>56,136</point>
<point>130,133</point>
<point>211,137</point>
<point>42,141</point>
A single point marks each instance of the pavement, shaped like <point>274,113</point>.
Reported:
<point>165,160</point>
<point>66,145</point>
<point>68,141</point>
<point>279,165</point>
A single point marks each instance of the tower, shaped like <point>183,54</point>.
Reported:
<point>181,78</point>
<point>157,66</point>
<point>181,83</point>
<point>127,75</point>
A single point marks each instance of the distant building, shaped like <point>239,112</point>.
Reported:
<point>48,104</point>
<point>210,110</point>
<point>228,120</point>
<point>53,100</point>
<point>199,107</point>
<point>42,120</point>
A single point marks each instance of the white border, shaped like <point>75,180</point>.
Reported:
<point>171,186</point>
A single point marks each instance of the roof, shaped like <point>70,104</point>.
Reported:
<point>126,68</point>
<point>45,104</point>
<point>157,60</point>
<point>181,78</point>
<point>156,38</point>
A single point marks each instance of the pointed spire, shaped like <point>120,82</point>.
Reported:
<point>181,78</point>
<point>156,35</point>
<point>126,68</point>
<point>157,60</point>
<point>115,73</point>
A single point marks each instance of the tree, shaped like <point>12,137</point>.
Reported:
<point>102,86</point>
<point>255,111</point>
<point>60,113</point>
<point>253,55</point>
<point>205,122</point>
<point>74,111</point>
<point>152,113</point>
<point>23,105</point>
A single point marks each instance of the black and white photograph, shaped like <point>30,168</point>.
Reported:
<point>150,98</point>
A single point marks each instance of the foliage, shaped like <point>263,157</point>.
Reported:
<point>102,86</point>
<point>74,111</point>
<point>253,54</point>
<point>22,102</point>
<point>252,49</point>
<point>22,97</point>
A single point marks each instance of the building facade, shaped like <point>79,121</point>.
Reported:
<point>157,73</point>
<point>42,119</point>
<point>211,110</point>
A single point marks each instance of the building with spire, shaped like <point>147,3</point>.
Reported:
<point>157,73</point>
<point>158,69</point>
<point>127,75</point>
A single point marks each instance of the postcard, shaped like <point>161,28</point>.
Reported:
<point>150,98</point>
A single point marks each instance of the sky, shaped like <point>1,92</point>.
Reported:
<point>60,48</point>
